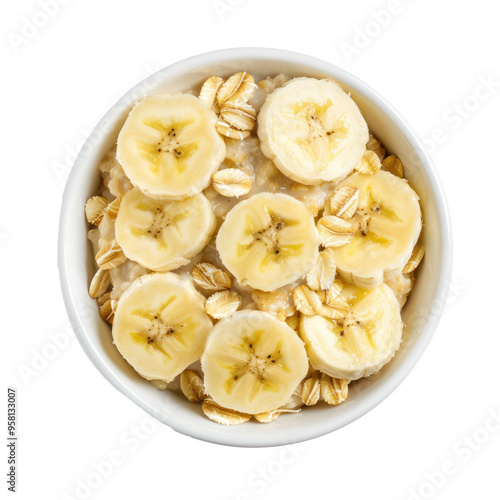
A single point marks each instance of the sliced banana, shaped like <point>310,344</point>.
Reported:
<point>160,325</point>
<point>163,235</point>
<point>387,226</point>
<point>253,362</point>
<point>169,146</point>
<point>362,341</point>
<point>312,130</point>
<point>268,241</point>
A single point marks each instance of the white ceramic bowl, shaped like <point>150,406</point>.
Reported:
<point>421,313</point>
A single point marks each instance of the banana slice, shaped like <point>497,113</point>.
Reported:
<point>160,326</point>
<point>387,225</point>
<point>252,362</point>
<point>312,130</point>
<point>268,241</point>
<point>169,146</point>
<point>362,341</point>
<point>163,235</point>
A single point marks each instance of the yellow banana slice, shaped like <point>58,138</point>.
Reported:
<point>160,325</point>
<point>387,225</point>
<point>163,235</point>
<point>312,130</point>
<point>268,241</point>
<point>169,146</point>
<point>253,362</point>
<point>362,341</point>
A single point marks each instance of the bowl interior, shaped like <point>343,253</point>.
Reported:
<point>76,262</point>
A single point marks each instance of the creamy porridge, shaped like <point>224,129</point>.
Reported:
<point>254,245</point>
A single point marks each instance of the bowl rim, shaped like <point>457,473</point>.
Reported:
<point>376,396</point>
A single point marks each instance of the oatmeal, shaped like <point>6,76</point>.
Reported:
<point>254,245</point>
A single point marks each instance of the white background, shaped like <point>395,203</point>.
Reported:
<point>428,58</point>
